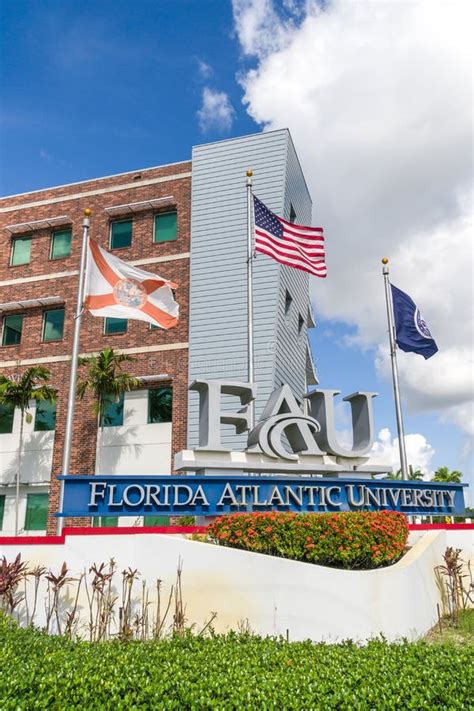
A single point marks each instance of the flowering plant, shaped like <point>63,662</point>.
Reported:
<point>353,539</point>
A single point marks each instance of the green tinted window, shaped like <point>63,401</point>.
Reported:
<point>105,522</point>
<point>53,325</point>
<point>61,244</point>
<point>160,405</point>
<point>2,510</point>
<point>112,411</point>
<point>21,251</point>
<point>36,512</point>
<point>45,418</point>
<point>115,325</point>
<point>7,413</point>
<point>165,227</point>
<point>120,234</point>
<point>156,520</point>
<point>12,327</point>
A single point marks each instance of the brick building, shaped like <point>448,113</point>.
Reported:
<point>185,221</point>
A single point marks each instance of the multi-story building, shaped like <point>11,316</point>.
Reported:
<point>187,222</point>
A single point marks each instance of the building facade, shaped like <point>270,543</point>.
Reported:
<point>186,222</point>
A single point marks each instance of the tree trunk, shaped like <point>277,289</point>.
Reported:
<point>17,495</point>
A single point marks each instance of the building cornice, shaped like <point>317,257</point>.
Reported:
<point>97,191</point>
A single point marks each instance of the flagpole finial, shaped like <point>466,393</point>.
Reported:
<point>384,260</point>
<point>87,212</point>
<point>249,173</point>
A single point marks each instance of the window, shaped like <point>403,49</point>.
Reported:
<point>300,324</point>
<point>61,244</point>
<point>292,213</point>
<point>7,413</point>
<point>156,520</point>
<point>2,510</point>
<point>115,325</point>
<point>12,327</point>
<point>160,405</point>
<point>45,418</point>
<point>165,227</point>
<point>105,522</point>
<point>36,512</point>
<point>288,302</point>
<point>120,234</point>
<point>53,325</point>
<point>112,411</point>
<point>21,251</point>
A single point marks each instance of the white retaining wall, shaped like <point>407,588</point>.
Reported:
<point>272,594</point>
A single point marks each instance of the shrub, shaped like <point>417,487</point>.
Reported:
<point>353,539</point>
<point>38,671</point>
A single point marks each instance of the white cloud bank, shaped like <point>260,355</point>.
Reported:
<point>216,111</point>
<point>419,452</point>
<point>378,97</point>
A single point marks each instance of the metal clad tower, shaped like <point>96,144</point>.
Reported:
<point>218,282</point>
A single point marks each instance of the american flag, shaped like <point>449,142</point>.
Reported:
<point>294,245</point>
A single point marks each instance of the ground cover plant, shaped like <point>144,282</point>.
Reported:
<point>353,539</point>
<point>228,672</point>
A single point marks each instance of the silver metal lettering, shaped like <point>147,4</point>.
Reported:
<point>321,404</point>
<point>329,491</point>
<point>275,494</point>
<point>350,488</point>
<point>372,497</point>
<point>98,489</point>
<point>211,414</point>
<point>185,489</point>
<point>228,494</point>
<point>128,490</point>
<point>297,497</point>
<point>199,494</point>
<point>152,491</point>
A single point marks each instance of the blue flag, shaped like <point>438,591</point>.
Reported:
<point>413,335</point>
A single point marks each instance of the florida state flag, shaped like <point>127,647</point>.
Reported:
<point>119,290</point>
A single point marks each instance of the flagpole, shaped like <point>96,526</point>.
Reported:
<point>250,364</point>
<point>74,358</point>
<point>393,356</point>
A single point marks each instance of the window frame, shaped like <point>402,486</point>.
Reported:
<point>4,319</point>
<point>115,222</point>
<point>49,404</point>
<point>161,214</point>
<point>12,412</point>
<point>28,497</point>
<point>114,333</point>
<point>52,340</point>
<point>51,246</point>
<point>151,390</point>
<point>2,510</point>
<point>12,250</point>
<point>119,403</point>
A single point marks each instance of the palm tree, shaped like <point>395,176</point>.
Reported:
<point>443,474</point>
<point>104,379</point>
<point>413,474</point>
<point>18,392</point>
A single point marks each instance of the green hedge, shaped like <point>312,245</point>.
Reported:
<point>355,539</point>
<point>39,672</point>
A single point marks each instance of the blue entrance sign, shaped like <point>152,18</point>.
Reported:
<point>215,495</point>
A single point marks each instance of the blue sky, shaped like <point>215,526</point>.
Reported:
<point>97,88</point>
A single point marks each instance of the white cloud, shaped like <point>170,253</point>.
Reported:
<point>419,452</point>
<point>378,98</point>
<point>216,111</point>
<point>205,70</point>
